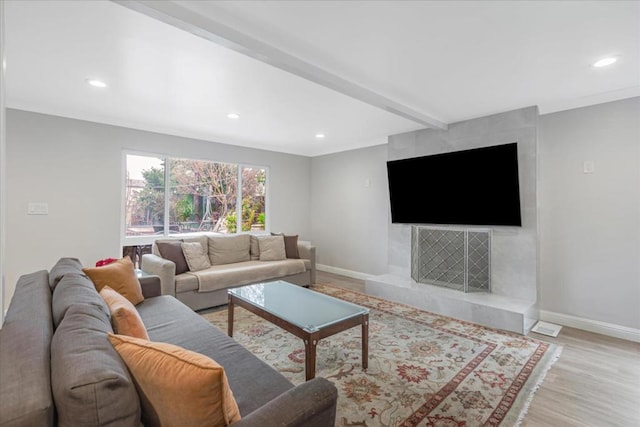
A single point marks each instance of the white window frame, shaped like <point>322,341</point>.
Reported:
<point>147,240</point>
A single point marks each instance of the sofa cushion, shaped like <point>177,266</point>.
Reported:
<point>25,341</point>
<point>290,245</point>
<point>177,387</point>
<point>119,276</point>
<point>75,289</point>
<point>229,249</point>
<point>62,267</point>
<point>254,383</point>
<point>172,250</point>
<point>241,273</point>
<point>196,258</point>
<point>254,248</point>
<point>90,382</point>
<point>186,282</point>
<point>125,319</point>
<point>271,248</point>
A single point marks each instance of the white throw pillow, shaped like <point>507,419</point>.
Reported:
<point>271,248</point>
<point>194,254</point>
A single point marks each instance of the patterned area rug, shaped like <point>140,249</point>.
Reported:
<point>424,369</point>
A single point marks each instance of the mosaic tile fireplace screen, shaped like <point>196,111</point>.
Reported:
<point>456,258</point>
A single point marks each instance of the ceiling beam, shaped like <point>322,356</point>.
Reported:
<point>217,32</point>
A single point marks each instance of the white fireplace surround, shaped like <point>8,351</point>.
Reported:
<point>512,303</point>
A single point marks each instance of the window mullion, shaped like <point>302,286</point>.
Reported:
<point>167,191</point>
<point>239,201</point>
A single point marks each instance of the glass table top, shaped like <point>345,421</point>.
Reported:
<point>304,308</point>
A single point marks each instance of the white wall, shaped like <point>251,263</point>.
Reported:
<point>76,167</point>
<point>590,223</point>
<point>348,218</point>
<point>2,164</point>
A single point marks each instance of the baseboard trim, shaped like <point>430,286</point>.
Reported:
<point>343,272</point>
<point>604,328</point>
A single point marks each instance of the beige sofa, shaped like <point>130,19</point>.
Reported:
<point>235,261</point>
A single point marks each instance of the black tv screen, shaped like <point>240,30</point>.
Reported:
<point>469,187</point>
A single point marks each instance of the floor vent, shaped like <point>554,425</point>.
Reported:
<point>546,328</point>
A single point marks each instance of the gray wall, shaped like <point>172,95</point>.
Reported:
<point>76,167</point>
<point>590,223</point>
<point>348,218</point>
<point>514,249</point>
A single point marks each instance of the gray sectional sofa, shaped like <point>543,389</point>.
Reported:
<point>235,261</point>
<point>58,368</point>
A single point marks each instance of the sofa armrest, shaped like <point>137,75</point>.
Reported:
<point>151,286</point>
<point>308,251</point>
<point>164,269</point>
<point>311,404</point>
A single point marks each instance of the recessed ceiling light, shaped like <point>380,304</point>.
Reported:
<point>319,135</point>
<point>233,116</point>
<point>605,61</point>
<point>96,83</point>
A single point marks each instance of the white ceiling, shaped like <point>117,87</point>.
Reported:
<point>447,60</point>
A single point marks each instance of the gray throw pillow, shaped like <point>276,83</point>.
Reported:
<point>172,250</point>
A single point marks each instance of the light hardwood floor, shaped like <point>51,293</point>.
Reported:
<point>595,382</point>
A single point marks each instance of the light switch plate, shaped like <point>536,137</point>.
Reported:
<point>588,166</point>
<point>38,208</point>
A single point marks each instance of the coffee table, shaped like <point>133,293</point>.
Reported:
<point>307,314</point>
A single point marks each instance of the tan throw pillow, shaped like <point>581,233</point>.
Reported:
<point>290,245</point>
<point>124,316</point>
<point>177,387</point>
<point>271,248</point>
<point>119,276</point>
<point>229,249</point>
<point>196,258</point>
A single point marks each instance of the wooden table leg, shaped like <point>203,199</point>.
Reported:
<point>365,341</point>
<point>230,317</point>
<point>310,356</point>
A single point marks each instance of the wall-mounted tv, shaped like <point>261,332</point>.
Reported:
<point>470,187</point>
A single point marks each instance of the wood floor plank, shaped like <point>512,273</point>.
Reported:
<point>595,382</point>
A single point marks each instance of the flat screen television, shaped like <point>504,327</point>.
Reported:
<point>470,187</point>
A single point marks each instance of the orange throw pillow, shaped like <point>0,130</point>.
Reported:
<point>124,316</point>
<point>177,387</point>
<point>119,276</point>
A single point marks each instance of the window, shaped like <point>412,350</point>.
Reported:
<point>144,195</point>
<point>174,196</point>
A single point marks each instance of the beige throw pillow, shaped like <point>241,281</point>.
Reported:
<point>271,248</point>
<point>177,387</point>
<point>194,254</point>
<point>290,245</point>
<point>255,249</point>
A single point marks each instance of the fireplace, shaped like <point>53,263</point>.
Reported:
<point>455,258</point>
